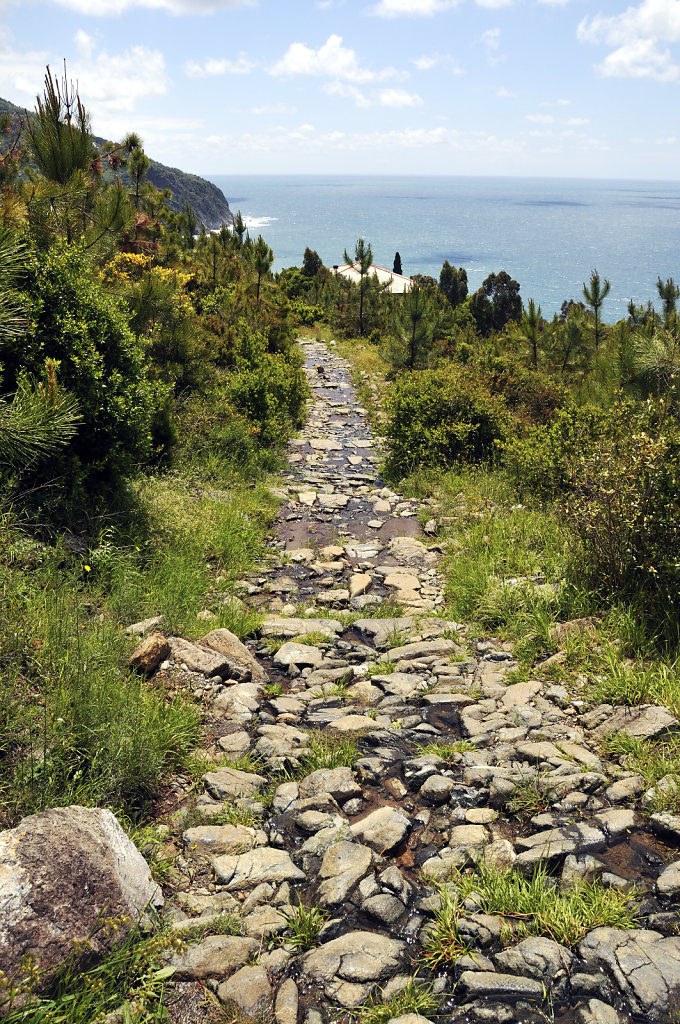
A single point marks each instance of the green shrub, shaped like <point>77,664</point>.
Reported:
<point>99,360</point>
<point>306,314</point>
<point>441,417</point>
<point>624,509</point>
<point>544,460</point>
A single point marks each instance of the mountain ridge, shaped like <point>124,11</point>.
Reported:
<point>207,200</point>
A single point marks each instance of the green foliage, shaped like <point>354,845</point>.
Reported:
<point>543,460</point>
<point>416,997</point>
<point>453,284</point>
<point>100,363</point>
<point>39,420</point>
<point>131,978</point>
<point>304,926</point>
<point>415,323</point>
<point>441,417</point>
<point>528,906</point>
<point>496,303</point>
<point>624,511</point>
<point>327,751</point>
<point>13,258</point>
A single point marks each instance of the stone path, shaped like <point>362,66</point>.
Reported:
<point>361,841</point>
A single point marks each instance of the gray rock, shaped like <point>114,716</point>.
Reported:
<point>346,968</point>
<point>425,649</point>
<point>410,1018</point>
<point>58,871</point>
<point>247,870</point>
<point>625,789</point>
<point>339,782</point>
<point>482,984</point>
<point>436,790</point>
<point>198,659</point>
<point>557,842</point>
<point>280,741</point>
<point>210,840</point>
<point>384,908</point>
<point>242,664</point>
<point>644,965</point>
<point>343,866</point>
<point>287,1003</point>
<point>277,625</point>
<point>383,829</point>
<point>597,1012</point>
<point>239,702</point>
<point>645,721</point>
<point>668,882</point>
<point>666,824</point>
<point>249,989</point>
<point>297,655</point>
<point>535,957</point>
<point>230,783</point>
<point>216,956</point>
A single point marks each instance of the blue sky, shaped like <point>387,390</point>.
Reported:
<point>494,87</point>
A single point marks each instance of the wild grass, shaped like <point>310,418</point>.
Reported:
<point>534,906</point>
<point>132,977</point>
<point>416,997</point>
<point>304,926</point>
<point>653,761</point>
<point>656,682</point>
<point>76,726</point>
<point>446,749</point>
<point>327,751</point>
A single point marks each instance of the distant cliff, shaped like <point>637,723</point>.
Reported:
<point>207,200</point>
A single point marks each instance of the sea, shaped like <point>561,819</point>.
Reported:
<point>547,233</point>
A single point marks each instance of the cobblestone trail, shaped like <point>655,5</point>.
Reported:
<point>362,840</point>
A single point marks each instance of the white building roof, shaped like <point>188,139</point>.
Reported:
<point>398,284</point>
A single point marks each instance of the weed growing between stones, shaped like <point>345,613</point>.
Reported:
<point>416,997</point>
<point>326,751</point>
<point>132,978</point>
<point>654,761</point>
<point>304,926</point>
<point>533,906</point>
<point>446,749</point>
<point>223,924</point>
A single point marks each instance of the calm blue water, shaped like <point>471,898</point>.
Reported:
<point>547,233</point>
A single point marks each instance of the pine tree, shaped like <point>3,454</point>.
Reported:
<point>595,296</point>
<point>363,256</point>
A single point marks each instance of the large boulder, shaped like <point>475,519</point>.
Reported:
<point>62,873</point>
<point>242,664</point>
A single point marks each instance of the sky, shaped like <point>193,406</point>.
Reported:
<point>559,88</point>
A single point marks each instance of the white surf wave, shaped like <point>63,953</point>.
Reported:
<point>258,222</point>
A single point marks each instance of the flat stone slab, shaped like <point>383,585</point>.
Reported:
<point>382,829</point>
<point>644,965</point>
<point>438,648</point>
<point>484,984</point>
<point>558,842</point>
<point>216,956</point>
<point>300,655</point>
<point>645,721</point>
<point>279,625</point>
<point>231,783</point>
<point>346,968</point>
<point>247,870</point>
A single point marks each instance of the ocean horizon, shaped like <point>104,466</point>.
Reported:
<point>547,233</point>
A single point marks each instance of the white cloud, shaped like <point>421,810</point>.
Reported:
<point>492,38</point>
<point>411,8</point>
<point>504,93</point>
<point>639,38</point>
<point>347,92</point>
<point>332,60</point>
<point>670,140</point>
<point>399,98</point>
<point>273,108</point>
<point>429,61</point>
<point>494,3</point>
<point>425,63</point>
<point>112,8</point>
<point>109,83</point>
<point>213,66</point>
<point>539,118</point>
